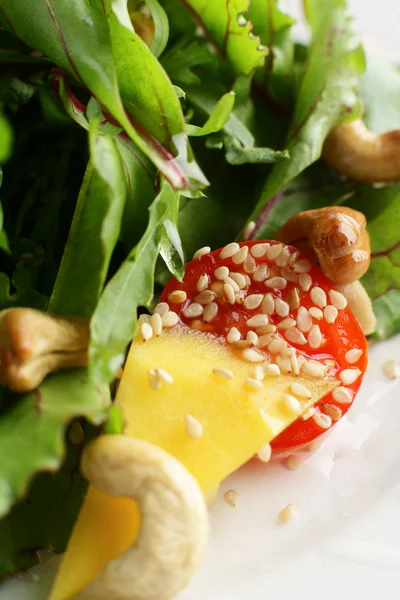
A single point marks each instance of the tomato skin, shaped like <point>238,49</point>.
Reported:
<point>344,334</point>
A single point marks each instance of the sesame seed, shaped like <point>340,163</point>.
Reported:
<point>286,323</point>
<point>283,258</point>
<point>300,390</point>
<point>295,336</point>
<point>193,310</point>
<point>229,250</point>
<point>252,337</point>
<point>248,230</point>
<point>308,414</point>
<point>242,345</point>
<point>315,337</point>
<point>293,299</point>
<point>330,313</point>
<point>332,411</point>
<point>284,363</point>
<point>342,395</point>
<point>289,274</point>
<point>329,362</point>
<point>230,497</point>
<point>205,297</point>
<point>240,256</point>
<point>202,282</point>
<point>264,340</point>
<point>337,299</point>
<point>301,359</point>
<point>352,356</point>
<point>268,304</point>
<point>164,376</point>
<point>316,312</point>
<point>292,403</point>
<point>261,273</point>
<point>322,420</point>
<point>288,351</point>
<point>177,297</point>
<point>252,356</point>
<point>169,319</point>
<point>156,324</point>
<point>223,373</point>
<point>210,311</point>
<point>391,369</point>
<point>292,462</point>
<point>272,370</point>
<point>161,308</point>
<point>312,370</point>
<point>253,301</point>
<point>233,335</point>
<point>293,257</point>
<point>240,297</point>
<point>274,251</point>
<point>318,296</point>
<point>153,379</point>
<point>264,453</point>
<point>276,345</point>
<point>229,293</point>
<point>276,283</point>
<point>259,373</point>
<point>265,329</point>
<point>233,283</point>
<point>193,427</point>
<point>303,319</point>
<point>146,331</point>
<point>305,282</point>
<point>250,265</point>
<point>302,266</point>
<point>221,273</point>
<point>295,364</point>
<point>253,384</point>
<point>259,250</point>
<point>239,279</point>
<point>349,376</point>
<point>257,321</point>
<point>201,252</point>
<point>287,513</point>
<point>281,307</point>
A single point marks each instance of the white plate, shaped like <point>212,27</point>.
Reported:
<point>346,540</point>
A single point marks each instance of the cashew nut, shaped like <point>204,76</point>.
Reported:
<point>354,150</point>
<point>34,343</point>
<point>336,236</point>
<point>360,303</point>
<point>174,528</point>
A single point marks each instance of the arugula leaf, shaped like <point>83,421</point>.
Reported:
<point>218,118</point>
<point>161,27</point>
<point>179,62</point>
<point>380,94</point>
<point>114,320</point>
<point>31,431</point>
<point>236,154</point>
<point>327,90</point>
<point>224,22</point>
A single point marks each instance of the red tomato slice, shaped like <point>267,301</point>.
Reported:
<point>303,315</point>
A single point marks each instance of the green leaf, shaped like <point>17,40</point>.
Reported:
<point>218,118</point>
<point>15,91</point>
<point>161,27</point>
<point>31,431</point>
<point>236,154</point>
<point>19,293</point>
<point>114,320</point>
<point>327,91</point>
<point>179,62</point>
<point>13,57</point>
<point>224,22</point>
<point>94,231</point>
<point>6,138</point>
<point>71,104</point>
<point>380,94</point>
<point>3,236</point>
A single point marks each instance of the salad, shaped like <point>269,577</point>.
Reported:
<point>198,240</point>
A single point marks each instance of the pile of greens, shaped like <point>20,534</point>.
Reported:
<point>103,196</point>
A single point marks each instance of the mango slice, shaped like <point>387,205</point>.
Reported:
<point>237,421</point>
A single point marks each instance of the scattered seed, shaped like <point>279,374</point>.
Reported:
<point>259,250</point>
<point>177,297</point>
<point>252,356</point>
<point>276,283</point>
<point>230,497</point>
<point>250,265</point>
<point>288,351</point>
<point>315,337</point>
<point>153,379</point>
<point>295,364</point>
<point>266,329</point>
<point>301,359</point>
<point>274,251</point>
<point>193,310</point>
<point>202,282</point>
<point>221,273</point>
<point>252,337</point>
<point>233,283</point>
<point>276,345</point>
<point>289,274</point>
<point>292,462</point>
<point>308,414</point>
<point>169,319</point>
<point>304,321</point>
<point>352,356</point>
<point>248,230</point>
<point>240,256</point>
<point>284,363</point>
<point>205,297</point>
<point>316,313</point>
<point>259,373</point>
<point>239,279</point>
<point>253,301</point>
<point>223,373</point>
<point>349,376</point>
<point>242,345</point>
<point>330,313</point>
<point>300,390</point>
<point>292,403</point>
<point>146,331</point>
<point>281,307</point>
<point>342,395</point>
<point>312,370</point>
<point>287,513</point>
<point>264,340</point>
<point>201,252</point>
<point>164,376</point>
<point>229,250</point>
<point>257,321</point>
<point>76,434</point>
<point>322,420</point>
<point>305,281</point>
<point>210,311</point>
<point>268,304</point>
<point>253,384</point>
<point>283,258</point>
<point>391,369</point>
<point>318,296</point>
<point>332,411</point>
<point>302,266</point>
<point>261,273</point>
<point>229,293</point>
<point>286,323</point>
<point>161,308</point>
<point>264,453</point>
<point>193,427</point>
<point>295,336</point>
<point>240,297</point>
<point>272,370</point>
<point>337,299</point>
<point>156,324</point>
<point>293,299</point>
<point>233,335</point>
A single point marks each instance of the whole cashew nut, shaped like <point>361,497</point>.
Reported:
<point>336,236</point>
<point>354,150</point>
<point>174,528</point>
